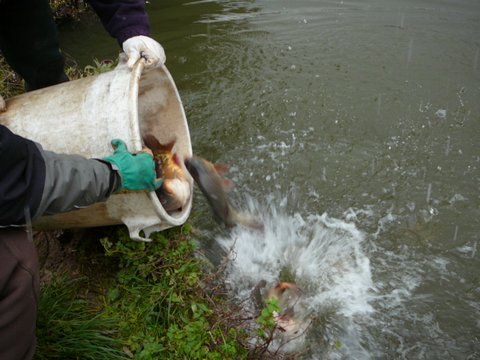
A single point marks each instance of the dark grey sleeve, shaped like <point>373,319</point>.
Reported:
<point>73,182</point>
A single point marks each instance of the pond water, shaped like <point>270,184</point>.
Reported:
<point>352,129</point>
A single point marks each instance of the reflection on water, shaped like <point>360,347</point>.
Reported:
<point>365,110</point>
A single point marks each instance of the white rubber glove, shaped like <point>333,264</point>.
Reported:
<point>3,106</point>
<point>143,46</point>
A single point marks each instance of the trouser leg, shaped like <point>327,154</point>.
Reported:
<point>19,290</point>
<point>29,42</point>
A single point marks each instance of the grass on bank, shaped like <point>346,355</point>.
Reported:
<point>67,328</point>
<point>160,304</point>
<point>154,307</point>
<point>135,300</point>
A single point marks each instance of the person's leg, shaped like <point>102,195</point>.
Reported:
<point>19,291</point>
<point>29,42</point>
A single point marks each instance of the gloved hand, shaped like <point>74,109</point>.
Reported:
<point>137,171</point>
<point>143,46</point>
<point>3,106</point>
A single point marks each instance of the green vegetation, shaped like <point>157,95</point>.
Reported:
<point>151,301</point>
<point>266,319</point>
<point>68,10</point>
<point>68,328</point>
<point>160,305</point>
<point>122,299</point>
<point>10,83</point>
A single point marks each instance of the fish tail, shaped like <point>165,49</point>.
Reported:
<point>246,220</point>
<point>152,142</point>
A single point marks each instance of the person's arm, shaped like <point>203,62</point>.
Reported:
<point>122,19</point>
<point>35,182</point>
<point>127,21</point>
<point>74,182</point>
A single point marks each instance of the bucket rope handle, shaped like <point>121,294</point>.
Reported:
<point>136,73</point>
<point>139,65</point>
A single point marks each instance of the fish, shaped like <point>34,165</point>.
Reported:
<point>287,294</point>
<point>175,190</point>
<point>211,180</point>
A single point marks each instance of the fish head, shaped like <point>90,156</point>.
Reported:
<point>207,174</point>
<point>286,293</point>
<point>280,289</point>
<point>212,186</point>
<point>174,194</point>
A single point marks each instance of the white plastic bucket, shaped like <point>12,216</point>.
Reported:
<point>82,116</point>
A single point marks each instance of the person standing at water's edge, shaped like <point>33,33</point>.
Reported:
<point>35,182</point>
<point>29,39</point>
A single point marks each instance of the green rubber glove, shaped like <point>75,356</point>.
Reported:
<point>137,171</point>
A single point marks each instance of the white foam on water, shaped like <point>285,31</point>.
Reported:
<point>321,254</point>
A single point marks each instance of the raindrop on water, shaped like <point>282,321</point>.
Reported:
<point>455,233</point>
<point>410,51</point>
<point>429,192</point>
<point>379,104</point>
<point>411,206</point>
<point>475,61</point>
<point>447,149</point>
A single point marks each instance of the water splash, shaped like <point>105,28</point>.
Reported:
<point>322,255</point>
<point>441,114</point>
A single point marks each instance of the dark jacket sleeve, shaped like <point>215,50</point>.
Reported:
<point>22,178</point>
<point>35,182</point>
<point>122,18</point>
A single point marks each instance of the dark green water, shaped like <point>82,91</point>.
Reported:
<point>366,110</point>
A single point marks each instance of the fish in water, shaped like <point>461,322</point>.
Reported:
<point>287,294</point>
<point>214,186</point>
<point>175,190</point>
